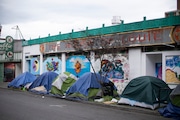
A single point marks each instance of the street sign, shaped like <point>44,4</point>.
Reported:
<point>8,47</point>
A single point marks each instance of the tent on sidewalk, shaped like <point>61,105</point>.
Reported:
<point>43,81</point>
<point>22,80</point>
<point>172,110</point>
<point>145,91</point>
<point>175,96</point>
<point>62,83</point>
<point>88,86</point>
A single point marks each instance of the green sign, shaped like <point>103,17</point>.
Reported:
<point>8,47</point>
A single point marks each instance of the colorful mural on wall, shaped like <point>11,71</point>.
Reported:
<point>52,64</point>
<point>77,65</point>
<point>173,69</point>
<point>116,68</point>
<point>35,66</point>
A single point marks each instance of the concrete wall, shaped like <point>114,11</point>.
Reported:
<point>30,51</point>
<point>149,59</point>
<point>18,69</point>
<point>135,62</point>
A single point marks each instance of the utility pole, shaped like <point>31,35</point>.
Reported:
<point>0,29</point>
<point>18,34</point>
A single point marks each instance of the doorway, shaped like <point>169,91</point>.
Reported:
<point>9,72</point>
<point>154,65</point>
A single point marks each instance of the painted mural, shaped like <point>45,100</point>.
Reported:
<point>173,69</point>
<point>52,64</point>
<point>77,65</point>
<point>116,68</point>
<point>35,66</point>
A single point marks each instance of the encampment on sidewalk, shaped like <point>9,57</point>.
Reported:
<point>3,85</point>
<point>89,85</point>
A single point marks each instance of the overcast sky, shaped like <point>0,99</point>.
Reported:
<point>42,17</point>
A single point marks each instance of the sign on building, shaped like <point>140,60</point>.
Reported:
<point>8,47</point>
<point>158,36</point>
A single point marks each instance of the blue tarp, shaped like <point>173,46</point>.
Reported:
<point>22,80</point>
<point>86,81</point>
<point>170,111</point>
<point>45,80</point>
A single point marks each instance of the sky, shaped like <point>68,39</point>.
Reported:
<point>40,18</point>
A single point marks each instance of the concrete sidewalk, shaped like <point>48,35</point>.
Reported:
<point>3,85</point>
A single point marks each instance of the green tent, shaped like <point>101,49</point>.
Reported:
<point>145,91</point>
<point>62,83</point>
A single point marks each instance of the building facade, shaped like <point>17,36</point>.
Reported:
<point>121,52</point>
<point>10,59</point>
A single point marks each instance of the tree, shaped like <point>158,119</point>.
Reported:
<point>101,45</point>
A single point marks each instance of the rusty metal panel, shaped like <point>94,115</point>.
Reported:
<point>156,36</point>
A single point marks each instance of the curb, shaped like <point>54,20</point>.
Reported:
<point>124,107</point>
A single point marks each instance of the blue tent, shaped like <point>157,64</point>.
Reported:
<point>172,110</point>
<point>22,80</point>
<point>87,81</point>
<point>45,80</point>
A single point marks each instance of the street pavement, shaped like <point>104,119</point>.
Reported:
<point>3,85</point>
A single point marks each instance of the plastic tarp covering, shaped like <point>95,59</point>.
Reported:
<point>58,82</point>
<point>62,83</point>
<point>39,89</point>
<point>87,81</point>
<point>22,80</point>
<point>170,111</point>
<point>45,80</point>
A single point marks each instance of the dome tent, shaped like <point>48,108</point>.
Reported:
<point>145,91</point>
<point>87,86</point>
<point>62,83</point>
<point>44,80</point>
